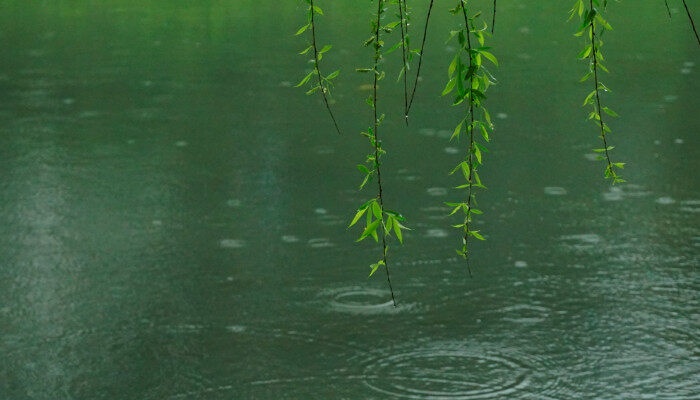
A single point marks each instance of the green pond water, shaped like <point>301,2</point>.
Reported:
<point>173,214</point>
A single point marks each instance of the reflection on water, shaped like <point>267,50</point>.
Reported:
<point>174,214</point>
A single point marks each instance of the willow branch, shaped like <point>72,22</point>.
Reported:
<point>322,88</point>
<point>493,22</point>
<point>470,161</point>
<point>403,56</point>
<point>377,57</point>
<point>692,24</point>
<point>594,60</point>
<point>420,60</point>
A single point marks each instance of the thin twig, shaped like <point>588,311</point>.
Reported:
<point>667,9</point>
<point>322,88</point>
<point>403,56</point>
<point>690,17</point>
<point>420,60</point>
<point>493,22</point>
<point>594,58</point>
<point>377,56</point>
<point>471,138</point>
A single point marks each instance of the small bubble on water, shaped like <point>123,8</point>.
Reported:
<point>233,203</point>
<point>665,200</point>
<point>437,191</point>
<point>320,243</point>
<point>686,71</point>
<point>436,233</point>
<point>614,194</point>
<point>555,191</point>
<point>321,211</point>
<point>670,98</point>
<point>427,132</point>
<point>688,64</point>
<point>678,141</point>
<point>501,115</point>
<point>324,149</point>
<point>444,134</point>
<point>231,243</point>
<point>181,143</point>
<point>290,239</point>
<point>520,264</point>
<point>451,150</point>
<point>236,328</point>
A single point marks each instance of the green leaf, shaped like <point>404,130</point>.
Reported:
<point>302,29</point>
<point>306,79</point>
<point>476,235</point>
<point>377,210</point>
<point>457,130</point>
<point>490,57</point>
<point>585,52</point>
<point>333,74</point>
<point>450,86</point>
<point>376,266</point>
<point>397,230</point>
<point>370,230</point>
<point>610,112</point>
<point>477,153</point>
<point>357,216</point>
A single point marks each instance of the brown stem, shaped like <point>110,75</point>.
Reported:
<point>420,60</point>
<point>668,10</point>
<point>322,88</point>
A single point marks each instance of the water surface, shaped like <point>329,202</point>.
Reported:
<point>173,213</point>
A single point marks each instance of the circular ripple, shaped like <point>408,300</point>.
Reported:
<point>358,300</point>
<point>452,372</point>
<point>524,313</point>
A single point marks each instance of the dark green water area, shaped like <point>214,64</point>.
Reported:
<point>173,212</point>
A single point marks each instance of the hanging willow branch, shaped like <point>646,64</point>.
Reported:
<point>471,81</point>
<point>403,22</point>
<point>420,60</point>
<point>692,23</point>
<point>592,52</point>
<point>323,82</point>
<point>493,21</point>
<point>668,10</point>
<point>377,216</point>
